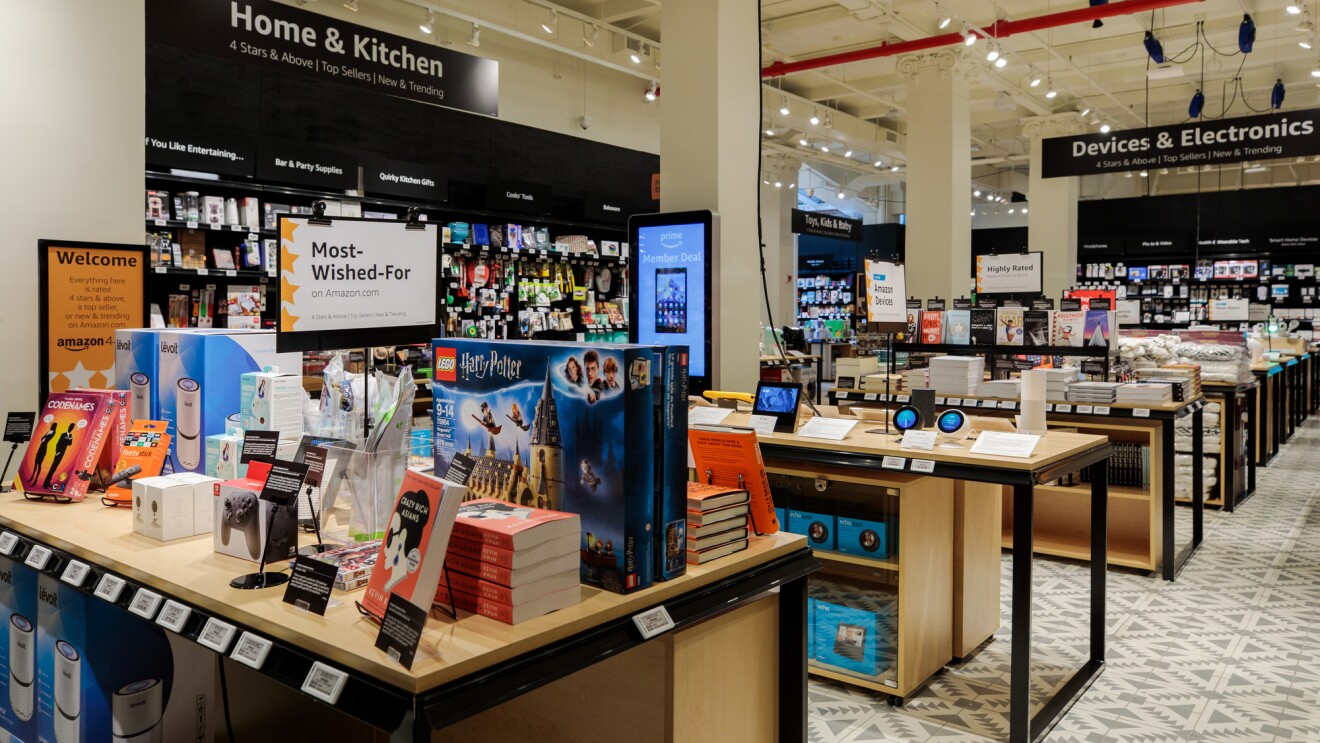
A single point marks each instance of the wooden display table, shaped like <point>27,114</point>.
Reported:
<point>1269,421</point>
<point>474,665</point>
<point>863,455</point>
<point>1237,475</point>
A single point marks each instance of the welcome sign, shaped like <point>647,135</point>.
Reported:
<point>1265,137</point>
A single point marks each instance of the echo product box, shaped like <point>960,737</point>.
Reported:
<point>137,369</point>
<point>199,391</point>
<point>818,527</point>
<point>203,500</point>
<point>162,508</point>
<point>271,401</point>
<point>18,650</point>
<point>782,517</point>
<point>844,637</point>
<point>222,454</point>
<point>864,538</point>
<point>560,426</point>
<point>241,521</point>
<point>104,674</point>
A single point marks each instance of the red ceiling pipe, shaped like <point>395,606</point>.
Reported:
<point>998,30</point>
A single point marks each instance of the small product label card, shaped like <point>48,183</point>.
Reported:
<point>75,573</point>
<point>923,465</point>
<point>284,482</point>
<point>173,616</point>
<point>920,440</point>
<point>310,586</point>
<point>8,541</point>
<point>401,630</point>
<point>37,557</point>
<point>110,587</point>
<point>18,427</point>
<point>893,463</point>
<point>324,683</point>
<point>1141,413</point>
<point>653,622</point>
<point>251,650</point>
<point>259,445</point>
<point>827,428</point>
<point>1000,444</point>
<point>145,603</point>
<point>708,415</point>
<point>1063,408</point>
<point>764,425</point>
<point>216,635</point>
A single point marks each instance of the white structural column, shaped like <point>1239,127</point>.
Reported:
<point>939,174</point>
<point>709,144</point>
<point>777,204</point>
<point>1052,221</point>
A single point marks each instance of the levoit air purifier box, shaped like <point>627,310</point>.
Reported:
<point>200,385</point>
<point>106,675</point>
<point>137,370</point>
<point>18,650</point>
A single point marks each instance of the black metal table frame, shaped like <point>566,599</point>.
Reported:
<point>1272,394</point>
<point>1023,726</point>
<point>1227,396</point>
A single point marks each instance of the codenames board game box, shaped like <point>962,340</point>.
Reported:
<point>560,426</point>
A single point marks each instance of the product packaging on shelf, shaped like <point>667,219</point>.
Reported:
<point>852,638</point>
<point>242,521</point>
<point>272,401</point>
<point>818,527</point>
<point>18,650</point>
<point>67,445</point>
<point>561,426</point>
<point>865,538</point>
<point>105,674</point>
<point>671,426</point>
<point>222,454</point>
<point>173,506</point>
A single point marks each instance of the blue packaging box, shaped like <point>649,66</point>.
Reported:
<point>671,428</point>
<point>18,650</point>
<point>864,538</point>
<point>563,426</point>
<point>818,527</point>
<point>137,369</point>
<point>844,637</point>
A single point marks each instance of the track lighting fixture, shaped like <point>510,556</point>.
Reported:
<point>840,194</point>
<point>1197,105</point>
<point>779,184</point>
<point>1002,62</point>
<point>1246,34</point>
<point>1153,47</point>
<point>1304,43</point>
<point>1276,94</point>
<point>1144,174</point>
<point>849,152</point>
<point>993,54</point>
<point>1104,128</point>
<point>352,5</point>
<point>944,17</point>
<point>551,24</point>
<point>783,106</point>
<point>811,193</point>
<point>474,38</point>
<point>969,38</point>
<point>976,192</point>
<point>589,35</point>
<point>1294,9</point>
<point>1304,27</point>
<point>1086,109</point>
<point>1127,174</point>
<point>769,130</point>
<point>879,163</point>
<point>429,23</point>
<point>824,148</point>
<point>804,142</point>
<point>815,117</point>
<point>636,56</point>
<point>1024,210</point>
<point>653,92</point>
<point>1051,92</point>
<point>893,169</point>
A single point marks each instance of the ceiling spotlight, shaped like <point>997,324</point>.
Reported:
<point>969,38</point>
<point>636,56</point>
<point>1024,210</point>
<point>879,163</point>
<point>841,194</point>
<point>1304,27</point>
<point>848,153</point>
<point>352,5</point>
<point>811,193</point>
<point>783,106</point>
<point>474,39</point>
<point>803,142</point>
<point>815,117</point>
<point>1033,77</point>
<point>1001,63</point>
<point>973,212</point>
<point>1012,211</point>
<point>1144,174</point>
<point>1127,174</point>
<point>1104,128</point>
<point>945,20</point>
<point>893,169</point>
<point>1304,43</point>
<point>653,92</point>
<point>1051,92</point>
<point>1315,72</point>
<point>1153,47</point>
<point>1086,110</point>
<point>429,23</point>
<point>551,24</point>
<point>779,184</point>
<point>1294,9</point>
<point>1276,94</point>
<point>792,185</point>
<point>1164,171</point>
<point>824,148</point>
<point>976,192</point>
<point>769,132</point>
<point>993,54</point>
<point>589,35</point>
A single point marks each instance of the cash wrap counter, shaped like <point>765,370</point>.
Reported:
<point>739,627</point>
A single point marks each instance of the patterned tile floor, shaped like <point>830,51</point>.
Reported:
<point>1229,652</point>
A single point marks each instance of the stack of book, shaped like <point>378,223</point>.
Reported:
<point>1129,466</point>
<point>716,522</point>
<point>847,371</point>
<point>1142,394</point>
<point>513,563</point>
<point>1057,381</point>
<point>1093,392</point>
<point>1186,379</point>
<point>956,375</point>
<point>915,379</point>
<point>355,562</point>
<point>877,382</point>
<point>1000,389</point>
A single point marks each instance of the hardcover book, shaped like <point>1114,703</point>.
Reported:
<point>412,553</point>
<point>512,527</point>
<point>1097,328</point>
<point>932,326</point>
<point>70,436</point>
<point>731,458</point>
<point>1009,321</point>
<point>702,497</point>
<point>1036,327</point>
<point>958,327</point>
<point>982,327</point>
<point>1069,327</point>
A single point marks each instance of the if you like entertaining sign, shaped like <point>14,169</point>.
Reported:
<point>1269,136</point>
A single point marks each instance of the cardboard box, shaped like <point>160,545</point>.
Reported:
<point>162,508</point>
<point>864,538</point>
<point>18,650</point>
<point>272,401</point>
<point>105,674</point>
<point>818,527</point>
<point>241,518</point>
<point>203,500</point>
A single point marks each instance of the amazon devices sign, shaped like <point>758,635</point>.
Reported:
<point>1265,137</point>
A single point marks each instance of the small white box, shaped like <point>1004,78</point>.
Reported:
<point>222,454</point>
<point>271,401</point>
<point>213,210</point>
<point>251,213</point>
<point>162,508</point>
<point>203,500</point>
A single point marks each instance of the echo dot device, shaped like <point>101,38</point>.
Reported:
<point>136,711</point>
<point>907,418</point>
<point>22,666</point>
<point>952,422</point>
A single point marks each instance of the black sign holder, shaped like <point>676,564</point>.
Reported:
<point>4,474</point>
<point>262,578</point>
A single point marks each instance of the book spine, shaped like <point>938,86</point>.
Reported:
<point>483,570</point>
<point>639,490</point>
<point>495,610</point>
<point>461,600</point>
<point>762,506</point>
<point>472,533</point>
<point>477,551</point>
<point>671,464</point>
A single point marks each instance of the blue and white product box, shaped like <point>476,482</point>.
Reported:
<point>562,426</point>
<point>18,650</point>
<point>222,455</point>
<point>782,517</point>
<point>671,426</point>
<point>104,674</point>
<point>272,401</point>
<point>137,369</point>
<point>844,637</point>
<point>864,538</point>
<point>199,390</point>
<point>818,527</point>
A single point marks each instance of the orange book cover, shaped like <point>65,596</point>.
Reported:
<point>412,554</point>
<point>731,458</point>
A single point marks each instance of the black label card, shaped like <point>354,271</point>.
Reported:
<point>401,630</point>
<point>987,302</point>
<point>1101,304</point>
<point>284,482</point>
<point>1042,304</point>
<point>914,304</point>
<point>460,469</point>
<point>18,426</point>
<point>259,445</point>
<point>935,304</point>
<point>314,458</point>
<point>310,586</point>
<point>1070,305</point>
<point>962,303</point>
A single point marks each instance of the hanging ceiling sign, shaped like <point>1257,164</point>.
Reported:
<point>826,225</point>
<point>1265,137</point>
<point>270,34</point>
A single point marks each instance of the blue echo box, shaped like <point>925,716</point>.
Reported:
<point>844,637</point>
<point>864,538</point>
<point>818,527</point>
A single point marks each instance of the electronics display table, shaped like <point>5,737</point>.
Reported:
<point>1270,408</point>
<point>1142,532</point>
<point>462,667</point>
<point>1056,454</point>
<point>1234,400</point>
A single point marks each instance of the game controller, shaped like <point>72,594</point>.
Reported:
<point>241,512</point>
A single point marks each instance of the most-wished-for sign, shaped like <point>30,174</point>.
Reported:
<point>1265,137</point>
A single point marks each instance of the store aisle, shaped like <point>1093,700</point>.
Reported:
<point>1230,652</point>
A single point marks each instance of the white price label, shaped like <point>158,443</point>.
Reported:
<point>923,465</point>
<point>110,587</point>
<point>160,269</point>
<point>251,650</point>
<point>939,401</point>
<point>216,635</point>
<point>325,683</point>
<point>217,226</point>
<point>203,272</point>
<point>901,398</point>
<point>1008,404</point>
<point>160,222</point>
<point>237,227</point>
<point>173,616</point>
<point>1101,410</point>
<point>191,225</point>
<point>869,397</point>
<point>8,541</point>
<point>230,272</point>
<point>987,403</point>
<point>1085,409</point>
<point>955,401</point>
<point>37,557</point>
<point>1141,413</point>
<point>1049,407</point>
<point>145,603</point>
<point>893,463</point>
<point>75,573</point>
<point>653,622</point>
<point>1063,408</point>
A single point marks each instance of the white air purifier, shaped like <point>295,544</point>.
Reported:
<point>188,417</point>
<point>136,711</point>
<point>22,666</point>
<point>140,397</point>
<point>68,692</point>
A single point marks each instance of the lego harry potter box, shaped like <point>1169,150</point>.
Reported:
<point>560,426</point>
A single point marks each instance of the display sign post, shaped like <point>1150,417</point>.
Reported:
<point>1014,273</point>
<point>86,291</point>
<point>353,283</point>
